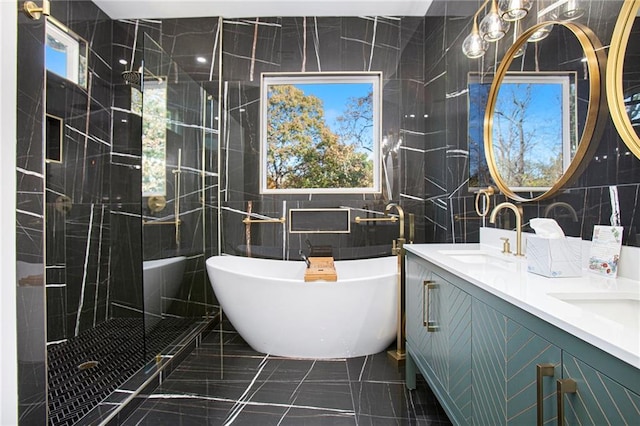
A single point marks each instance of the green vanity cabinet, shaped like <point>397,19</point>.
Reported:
<point>491,363</point>
<point>597,399</point>
<point>510,364</point>
<point>439,336</point>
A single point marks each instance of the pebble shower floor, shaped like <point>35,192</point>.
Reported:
<point>85,369</point>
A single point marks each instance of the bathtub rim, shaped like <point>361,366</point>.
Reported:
<point>210,261</point>
<point>163,261</point>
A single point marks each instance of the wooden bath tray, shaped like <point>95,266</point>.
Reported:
<point>322,268</point>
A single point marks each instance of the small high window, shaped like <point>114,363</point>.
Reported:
<point>65,53</point>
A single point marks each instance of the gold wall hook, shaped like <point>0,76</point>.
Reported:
<point>33,11</point>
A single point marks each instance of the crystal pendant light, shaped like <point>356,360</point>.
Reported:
<point>570,10</point>
<point>474,46</point>
<point>492,27</point>
<point>542,32</point>
<point>513,10</point>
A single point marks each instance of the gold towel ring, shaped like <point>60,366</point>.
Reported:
<point>486,196</point>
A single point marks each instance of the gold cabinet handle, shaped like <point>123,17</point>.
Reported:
<point>428,285</point>
<point>542,370</point>
<point>564,386</point>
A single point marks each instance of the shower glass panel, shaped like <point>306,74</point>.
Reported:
<point>176,139</point>
<point>125,272</point>
<point>91,344</point>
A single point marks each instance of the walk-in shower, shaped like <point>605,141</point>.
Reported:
<point>107,317</point>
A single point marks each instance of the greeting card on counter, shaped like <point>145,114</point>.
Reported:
<point>605,250</point>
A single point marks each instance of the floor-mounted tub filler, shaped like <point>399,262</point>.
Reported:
<point>278,313</point>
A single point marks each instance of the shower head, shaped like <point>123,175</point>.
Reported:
<point>132,77</point>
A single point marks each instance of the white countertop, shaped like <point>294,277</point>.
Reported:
<point>508,279</point>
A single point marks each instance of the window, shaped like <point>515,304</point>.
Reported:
<point>65,53</point>
<point>320,133</point>
<point>154,139</point>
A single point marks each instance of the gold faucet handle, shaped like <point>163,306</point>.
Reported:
<point>506,246</point>
<point>394,248</point>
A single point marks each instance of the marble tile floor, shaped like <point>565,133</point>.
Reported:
<point>224,382</point>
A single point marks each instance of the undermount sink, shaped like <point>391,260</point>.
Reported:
<point>480,257</point>
<point>623,308</point>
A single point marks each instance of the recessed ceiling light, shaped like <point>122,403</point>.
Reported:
<point>201,59</point>
<point>123,61</point>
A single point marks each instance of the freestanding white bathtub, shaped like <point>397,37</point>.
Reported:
<point>278,313</point>
<point>161,280</point>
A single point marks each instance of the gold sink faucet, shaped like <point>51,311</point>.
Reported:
<point>518,212</point>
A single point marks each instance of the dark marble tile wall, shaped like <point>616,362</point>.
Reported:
<point>450,214</point>
<point>169,49</point>
<point>77,188</point>
<point>35,204</point>
<point>89,205</point>
<point>392,45</point>
<point>195,94</point>
<point>30,237</point>
<point>126,171</point>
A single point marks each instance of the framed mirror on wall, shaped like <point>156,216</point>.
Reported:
<point>571,49</point>
<point>320,133</point>
<point>535,128</point>
<point>623,71</point>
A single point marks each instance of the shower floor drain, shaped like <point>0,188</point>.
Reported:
<point>87,365</point>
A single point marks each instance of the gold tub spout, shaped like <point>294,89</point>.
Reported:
<point>518,212</point>
<point>387,210</point>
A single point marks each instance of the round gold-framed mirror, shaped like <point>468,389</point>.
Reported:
<point>593,63</point>
<point>618,88</point>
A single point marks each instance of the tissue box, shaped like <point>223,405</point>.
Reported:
<point>554,258</point>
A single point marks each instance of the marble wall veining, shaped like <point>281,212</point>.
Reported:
<point>391,45</point>
<point>30,206</point>
<point>89,207</point>
<point>77,188</point>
